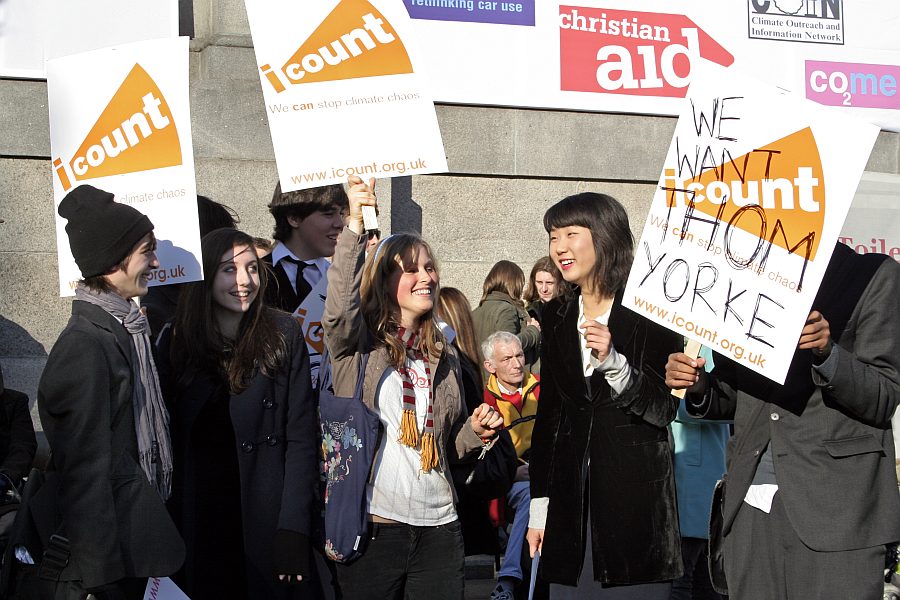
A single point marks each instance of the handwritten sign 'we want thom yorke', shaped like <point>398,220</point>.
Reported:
<point>753,193</point>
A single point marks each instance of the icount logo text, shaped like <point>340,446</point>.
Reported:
<point>135,132</point>
<point>354,40</point>
<point>629,52</point>
<point>775,192</point>
<point>852,84</point>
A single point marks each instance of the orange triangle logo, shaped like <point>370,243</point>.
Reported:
<point>135,132</point>
<point>355,40</point>
<point>776,192</point>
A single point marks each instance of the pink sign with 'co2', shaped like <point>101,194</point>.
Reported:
<point>852,84</point>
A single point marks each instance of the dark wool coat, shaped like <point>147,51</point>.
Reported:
<point>116,522</point>
<point>479,534</point>
<point>17,441</point>
<point>276,443</point>
<point>618,446</point>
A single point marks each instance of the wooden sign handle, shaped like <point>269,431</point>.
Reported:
<point>692,349</point>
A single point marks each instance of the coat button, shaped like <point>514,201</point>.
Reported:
<point>829,388</point>
<point>756,453</point>
<point>775,416</point>
<point>272,440</point>
<point>267,403</point>
<point>248,447</point>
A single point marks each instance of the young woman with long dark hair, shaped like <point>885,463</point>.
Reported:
<point>603,509</point>
<point>245,431</point>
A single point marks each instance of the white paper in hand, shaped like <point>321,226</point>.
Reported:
<point>163,588</point>
<point>370,218</point>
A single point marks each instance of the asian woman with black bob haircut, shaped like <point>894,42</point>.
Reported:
<point>245,434</point>
<point>603,509</point>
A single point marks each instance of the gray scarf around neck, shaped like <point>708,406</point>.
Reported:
<point>151,419</point>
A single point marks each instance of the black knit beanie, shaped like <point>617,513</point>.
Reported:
<point>101,231</point>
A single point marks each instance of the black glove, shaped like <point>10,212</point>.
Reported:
<point>291,554</point>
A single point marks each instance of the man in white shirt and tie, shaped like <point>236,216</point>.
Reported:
<point>307,223</point>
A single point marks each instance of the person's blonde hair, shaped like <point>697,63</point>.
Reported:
<point>378,303</point>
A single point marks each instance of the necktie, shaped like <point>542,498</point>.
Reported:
<point>302,286</point>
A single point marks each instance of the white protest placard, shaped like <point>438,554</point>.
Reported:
<point>752,196</point>
<point>309,316</point>
<point>163,588</point>
<point>343,91</point>
<point>120,121</point>
<point>33,31</point>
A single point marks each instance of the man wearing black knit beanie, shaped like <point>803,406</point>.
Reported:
<point>103,413</point>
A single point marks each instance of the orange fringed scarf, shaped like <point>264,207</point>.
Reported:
<point>409,429</point>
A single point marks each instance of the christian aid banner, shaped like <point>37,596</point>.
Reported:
<point>631,52</point>
<point>343,91</point>
<point>120,121</point>
<point>752,196</point>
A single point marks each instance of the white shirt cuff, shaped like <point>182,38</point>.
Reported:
<point>537,513</point>
<point>616,370</point>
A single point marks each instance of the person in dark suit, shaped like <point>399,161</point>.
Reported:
<point>103,414</point>
<point>603,511</point>
<point>812,498</point>
<point>236,377</point>
<point>307,223</point>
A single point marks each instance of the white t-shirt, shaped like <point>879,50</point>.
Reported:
<point>400,490</point>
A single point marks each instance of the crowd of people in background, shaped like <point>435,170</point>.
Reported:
<point>185,439</point>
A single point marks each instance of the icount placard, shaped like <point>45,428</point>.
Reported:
<point>120,120</point>
<point>752,196</point>
<point>343,91</point>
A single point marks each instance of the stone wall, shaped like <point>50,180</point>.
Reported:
<point>506,167</point>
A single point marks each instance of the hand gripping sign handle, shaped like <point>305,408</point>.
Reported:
<point>692,349</point>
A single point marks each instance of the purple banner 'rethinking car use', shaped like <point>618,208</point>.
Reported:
<point>508,12</point>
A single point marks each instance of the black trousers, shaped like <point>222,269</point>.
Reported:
<point>404,561</point>
<point>695,583</point>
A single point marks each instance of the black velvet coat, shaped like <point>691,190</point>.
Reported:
<point>619,447</point>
